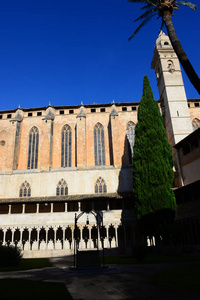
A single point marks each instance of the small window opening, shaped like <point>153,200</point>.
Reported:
<point>134,108</point>
<point>30,114</point>
<point>196,104</point>
<point>102,110</point>
<point>93,110</point>
<point>1,117</point>
<point>124,108</point>
<point>39,113</point>
<point>188,104</point>
<point>71,111</point>
<point>9,116</point>
<point>61,112</point>
<point>186,149</point>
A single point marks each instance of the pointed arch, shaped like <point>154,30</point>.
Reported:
<point>100,186</point>
<point>33,148</point>
<point>66,146</point>
<point>130,135</point>
<point>25,190</point>
<point>62,188</point>
<point>195,123</point>
<point>99,145</point>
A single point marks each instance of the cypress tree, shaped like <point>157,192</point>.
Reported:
<point>155,202</point>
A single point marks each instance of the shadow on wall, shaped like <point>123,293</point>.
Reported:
<point>125,182</point>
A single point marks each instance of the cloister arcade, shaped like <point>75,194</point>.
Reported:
<point>61,237</point>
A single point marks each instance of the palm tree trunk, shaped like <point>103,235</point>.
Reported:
<point>190,72</point>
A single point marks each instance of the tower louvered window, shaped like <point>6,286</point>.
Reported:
<point>196,124</point>
<point>66,146</point>
<point>100,186</point>
<point>99,147</point>
<point>62,188</point>
<point>130,132</point>
<point>33,148</point>
<point>25,190</point>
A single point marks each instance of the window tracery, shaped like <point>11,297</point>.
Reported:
<point>66,141</point>
<point>62,188</point>
<point>25,190</point>
<point>100,186</point>
<point>130,134</point>
<point>99,146</point>
<point>196,124</point>
<point>33,148</point>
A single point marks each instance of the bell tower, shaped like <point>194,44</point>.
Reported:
<point>171,90</point>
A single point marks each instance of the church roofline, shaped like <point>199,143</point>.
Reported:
<point>96,105</point>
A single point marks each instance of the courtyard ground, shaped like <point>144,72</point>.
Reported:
<point>114,282</point>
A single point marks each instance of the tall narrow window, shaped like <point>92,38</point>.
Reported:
<point>195,124</point>
<point>66,143</point>
<point>62,188</point>
<point>25,190</point>
<point>33,148</point>
<point>100,186</point>
<point>130,132</point>
<point>99,147</point>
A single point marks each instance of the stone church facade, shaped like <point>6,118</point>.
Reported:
<point>58,161</point>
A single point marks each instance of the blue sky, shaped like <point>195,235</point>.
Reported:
<point>66,51</point>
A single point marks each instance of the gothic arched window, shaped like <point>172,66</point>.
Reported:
<point>130,134</point>
<point>62,188</point>
<point>196,124</point>
<point>33,148</point>
<point>100,186</point>
<point>99,147</point>
<point>66,146</point>
<point>25,190</point>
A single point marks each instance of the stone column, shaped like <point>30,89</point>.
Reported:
<point>20,239</point>
<point>107,235</point>
<point>38,237</point>
<point>51,207</point>
<point>66,205</point>
<point>12,238</point>
<point>37,208</point>
<point>116,237</point>
<point>72,230</point>
<point>9,209</point>
<point>90,237</point>
<point>4,236</point>
<point>23,208</point>
<point>81,238</point>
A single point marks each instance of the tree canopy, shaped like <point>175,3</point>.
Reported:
<point>152,164</point>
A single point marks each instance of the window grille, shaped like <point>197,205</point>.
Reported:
<point>33,148</point>
<point>66,142</point>
<point>99,146</point>
<point>25,190</point>
<point>195,124</point>
<point>130,134</point>
<point>100,186</point>
<point>62,188</point>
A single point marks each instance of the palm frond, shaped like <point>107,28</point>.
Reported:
<point>141,25</point>
<point>145,15</point>
<point>186,3</point>
<point>147,6</point>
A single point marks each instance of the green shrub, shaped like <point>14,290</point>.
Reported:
<point>139,252</point>
<point>9,256</point>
